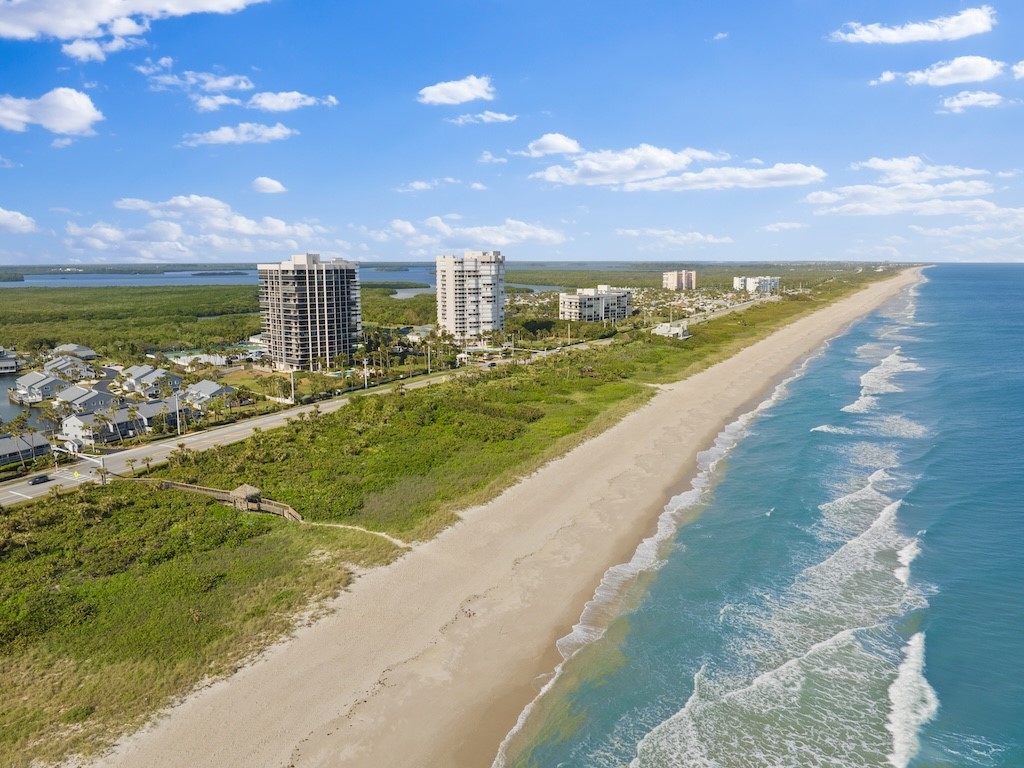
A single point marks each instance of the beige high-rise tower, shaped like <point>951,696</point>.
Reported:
<point>312,315</point>
<point>471,293</point>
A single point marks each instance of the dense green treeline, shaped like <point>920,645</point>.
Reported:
<point>127,322</point>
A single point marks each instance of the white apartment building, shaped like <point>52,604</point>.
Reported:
<point>471,293</point>
<point>593,304</point>
<point>760,284</point>
<point>312,315</point>
<point>683,280</point>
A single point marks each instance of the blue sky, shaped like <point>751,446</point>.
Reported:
<point>248,130</point>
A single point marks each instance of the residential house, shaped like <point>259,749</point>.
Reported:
<point>8,361</point>
<point>123,423</point>
<point>22,448</point>
<point>83,353</point>
<point>69,368</point>
<point>149,381</point>
<point>35,387</point>
<point>83,400</point>
<point>202,392</point>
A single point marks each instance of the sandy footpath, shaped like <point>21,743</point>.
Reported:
<point>429,661</point>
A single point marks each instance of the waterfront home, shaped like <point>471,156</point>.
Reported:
<point>202,392</point>
<point>69,368</point>
<point>22,448</point>
<point>149,381</point>
<point>83,400</point>
<point>8,361</point>
<point>35,387</point>
<point>83,353</point>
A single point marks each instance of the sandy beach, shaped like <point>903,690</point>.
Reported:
<point>429,661</point>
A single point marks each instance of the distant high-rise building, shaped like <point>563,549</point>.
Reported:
<point>592,304</point>
<point>759,284</point>
<point>312,315</point>
<point>471,293</point>
<point>683,280</point>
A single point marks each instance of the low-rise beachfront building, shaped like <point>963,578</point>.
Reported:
<point>595,304</point>
<point>759,284</point>
<point>676,329</point>
<point>77,350</point>
<point>8,361</point>
<point>682,280</point>
<point>35,387</point>
<point>24,447</point>
<point>149,381</point>
<point>83,400</point>
<point>69,368</point>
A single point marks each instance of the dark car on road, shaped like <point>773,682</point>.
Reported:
<point>39,479</point>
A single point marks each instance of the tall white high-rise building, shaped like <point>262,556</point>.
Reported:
<point>471,293</point>
<point>312,315</point>
<point>683,280</point>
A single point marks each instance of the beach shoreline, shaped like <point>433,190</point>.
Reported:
<point>430,660</point>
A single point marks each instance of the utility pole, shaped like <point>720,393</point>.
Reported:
<point>366,374</point>
<point>428,358</point>
<point>292,372</point>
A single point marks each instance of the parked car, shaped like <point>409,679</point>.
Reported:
<point>39,479</point>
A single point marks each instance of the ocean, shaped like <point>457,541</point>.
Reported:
<point>844,584</point>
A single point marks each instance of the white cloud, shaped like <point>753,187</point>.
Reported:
<point>213,103</point>
<point>721,36</point>
<point>62,110</point>
<point>192,227</point>
<point>487,157</point>
<point>476,186</point>
<point>267,185</point>
<point>783,226</point>
<point>153,67</point>
<point>16,222</point>
<point>483,117</point>
<point>286,101</point>
<point>898,170</point>
<point>885,77</point>
<point>552,144</point>
<point>962,69</point>
<point>670,238</point>
<point>971,21</point>
<point>608,167</point>
<point>422,186</point>
<point>966,99</point>
<point>726,177</point>
<point>909,197</point>
<point>403,228</point>
<point>62,142</point>
<point>243,133</point>
<point>509,232</point>
<point>7,163</point>
<point>469,88</point>
<point>98,27</point>
<point>1018,70</point>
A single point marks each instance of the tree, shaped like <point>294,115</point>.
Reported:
<point>16,427</point>
<point>131,465</point>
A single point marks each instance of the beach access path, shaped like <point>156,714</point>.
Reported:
<point>430,660</point>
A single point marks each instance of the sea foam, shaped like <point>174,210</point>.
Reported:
<point>913,703</point>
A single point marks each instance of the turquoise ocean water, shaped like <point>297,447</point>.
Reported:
<point>845,584</point>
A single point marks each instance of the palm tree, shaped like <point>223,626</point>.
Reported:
<point>131,465</point>
<point>16,428</point>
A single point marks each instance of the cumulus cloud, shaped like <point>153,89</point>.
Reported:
<point>1018,70</point>
<point>671,238</point>
<point>286,101</point>
<point>552,144</point>
<point>727,177</point>
<point>483,117</point>
<point>469,88</point>
<point>966,99</point>
<point>213,103</point>
<point>962,69</point>
<point>16,222</point>
<point>267,185</point>
<point>476,186</point>
<point>439,232</point>
<point>783,226</point>
<point>487,157</point>
<point>422,186</point>
<point>193,227</point>
<point>62,110</point>
<point>971,21</point>
<point>98,27</point>
<point>885,77</point>
<point>243,133</point>
<point>899,170</point>
<point>608,167</point>
<point>721,36</point>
